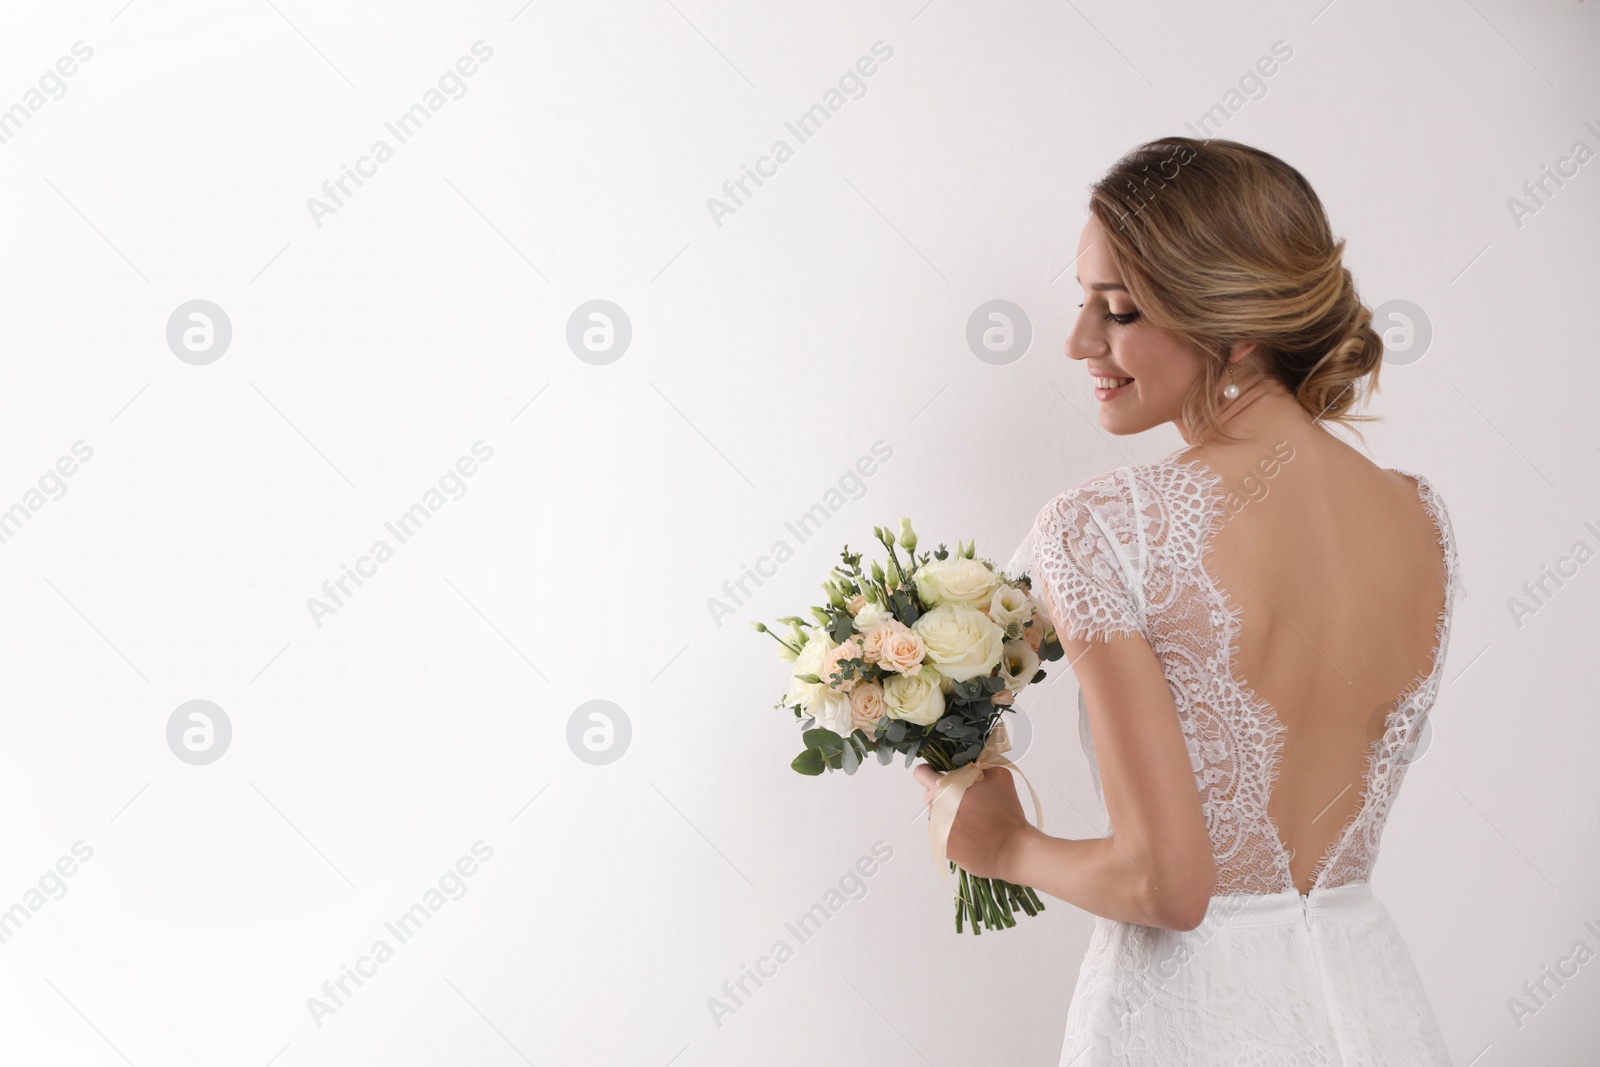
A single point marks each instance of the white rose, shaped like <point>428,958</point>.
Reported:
<point>1018,664</point>
<point>917,700</point>
<point>961,642</point>
<point>871,616</point>
<point>1010,608</point>
<point>956,580</point>
<point>832,712</point>
<point>810,661</point>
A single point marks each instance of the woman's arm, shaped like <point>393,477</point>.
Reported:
<point>1157,868</point>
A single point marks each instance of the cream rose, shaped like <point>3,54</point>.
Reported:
<point>902,651</point>
<point>962,642</point>
<point>872,643</point>
<point>851,649</point>
<point>1018,664</point>
<point>867,707</point>
<point>917,700</point>
<point>810,661</point>
<point>956,580</point>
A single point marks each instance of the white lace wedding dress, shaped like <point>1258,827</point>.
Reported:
<point>1270,977</point>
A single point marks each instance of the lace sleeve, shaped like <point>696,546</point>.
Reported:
<point>1082,560</point>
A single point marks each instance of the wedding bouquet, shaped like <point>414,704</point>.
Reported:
<point>922,658</point>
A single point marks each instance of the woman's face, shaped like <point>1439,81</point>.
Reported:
<point>1151,371</point>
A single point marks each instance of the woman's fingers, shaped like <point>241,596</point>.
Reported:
<point>928,778</point>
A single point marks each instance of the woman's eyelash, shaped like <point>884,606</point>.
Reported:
<point>1121,320</point>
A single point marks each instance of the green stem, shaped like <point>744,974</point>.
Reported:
<point>782,642</point>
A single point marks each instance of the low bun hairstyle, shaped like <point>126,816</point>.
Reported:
<point>1220,243</point>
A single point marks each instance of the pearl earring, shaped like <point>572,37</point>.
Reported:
<point>1231,390</point>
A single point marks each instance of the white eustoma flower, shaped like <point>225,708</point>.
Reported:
<point>871,616</point>
<point>1010,608</point>
<point>1018,665</point>
<point>810,661</point>
<point>833,712</point>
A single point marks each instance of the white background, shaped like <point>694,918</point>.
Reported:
<point>768,354</point>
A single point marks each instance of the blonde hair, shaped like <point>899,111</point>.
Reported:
<point>1221,243</point>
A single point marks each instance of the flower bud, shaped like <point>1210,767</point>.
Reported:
<point>908,536</point>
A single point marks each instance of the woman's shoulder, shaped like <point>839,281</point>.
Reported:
<point>1433,506</point>
<point>1174,490</point>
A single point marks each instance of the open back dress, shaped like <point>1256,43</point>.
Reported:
<point>1271,977</point>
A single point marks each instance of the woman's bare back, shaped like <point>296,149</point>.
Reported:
<point>1337,574</point>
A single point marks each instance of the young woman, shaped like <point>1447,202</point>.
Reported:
<point>1258,625</point>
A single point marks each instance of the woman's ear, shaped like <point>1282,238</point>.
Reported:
<point>1241,351</point>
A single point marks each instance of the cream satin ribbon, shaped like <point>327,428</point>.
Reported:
<point>954,784</point>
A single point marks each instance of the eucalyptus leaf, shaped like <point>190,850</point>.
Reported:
<point>843,627</point>
<point>850,758</point>
<point>825,741</point>
<point>808,762</point>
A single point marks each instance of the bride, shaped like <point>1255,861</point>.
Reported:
<point>1258,625</point>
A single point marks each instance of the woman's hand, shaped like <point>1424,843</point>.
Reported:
<point>988,823</point>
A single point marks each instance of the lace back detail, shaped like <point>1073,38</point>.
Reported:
<point>1125,554</point>
<point>1353,852</point>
